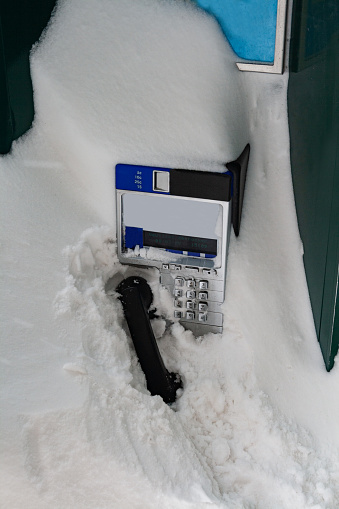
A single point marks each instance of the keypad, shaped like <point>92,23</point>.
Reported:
<point>191,298</point>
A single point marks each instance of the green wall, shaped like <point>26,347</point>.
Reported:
<point>313,102</point>
<point>21,24</point>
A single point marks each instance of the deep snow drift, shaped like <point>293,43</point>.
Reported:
<point>154,82</point>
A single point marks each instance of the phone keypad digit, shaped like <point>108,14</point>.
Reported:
<point>190,304</point>
<point>191,294</point>
<point>202,317</point>
<point>202,306</point>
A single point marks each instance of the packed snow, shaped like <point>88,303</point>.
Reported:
<point>154,82</point>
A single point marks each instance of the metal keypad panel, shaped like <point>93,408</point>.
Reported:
<point>197,295</point>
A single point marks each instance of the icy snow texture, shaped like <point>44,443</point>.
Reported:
<point>154,82</point>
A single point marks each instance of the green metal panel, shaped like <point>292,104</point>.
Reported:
<point>313,104</point>
<point>6,128</point>
<point>21,24</point>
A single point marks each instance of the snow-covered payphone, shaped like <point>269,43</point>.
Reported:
<point>179,221</point>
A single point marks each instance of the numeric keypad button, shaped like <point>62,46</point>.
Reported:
<point>202,306</point>
<point>190,294</point>
<point>203,285</point>
<point>203,295</point>
<point>190,283</point>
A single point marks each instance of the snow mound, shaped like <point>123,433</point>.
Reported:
<point>221,442</point>
<point>256,426</point>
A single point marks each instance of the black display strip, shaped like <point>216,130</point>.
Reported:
<point>180,242</point>
<point>200,184</point>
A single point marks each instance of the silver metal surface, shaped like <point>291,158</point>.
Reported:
<point>186,274</point>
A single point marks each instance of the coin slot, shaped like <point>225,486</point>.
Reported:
<point>161,181</point>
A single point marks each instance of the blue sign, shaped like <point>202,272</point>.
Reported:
<point>131,177</point>
<point>249,26</point>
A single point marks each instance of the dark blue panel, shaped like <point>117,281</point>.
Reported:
<point>174,251</point>
<point>133,237</point>
<point>132,177</point>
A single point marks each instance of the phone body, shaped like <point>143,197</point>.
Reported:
<point>178,221</point>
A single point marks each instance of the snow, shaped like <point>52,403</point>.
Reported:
<point>154,82</point>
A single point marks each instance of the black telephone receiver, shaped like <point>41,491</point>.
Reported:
<point>136,298</point>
